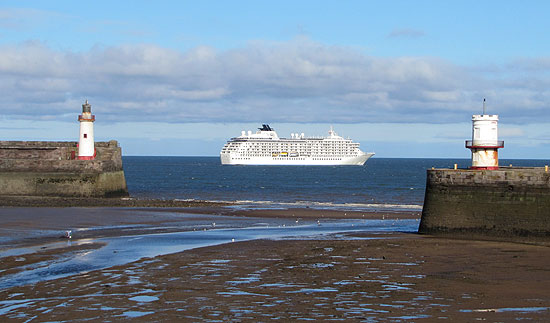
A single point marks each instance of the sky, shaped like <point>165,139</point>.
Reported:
<point>179,78</point>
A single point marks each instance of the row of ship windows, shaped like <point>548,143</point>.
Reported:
<point>283,145</point>
<point>274,151</point>
<point>287,150</point>
<point>327,158</point>
<point>290,142</point>
<point>287,158</point>
<point>260,155</point>
<point>303,153</point>
<point>296,147</point>
<point>265,151</point>
<point>293,145</point>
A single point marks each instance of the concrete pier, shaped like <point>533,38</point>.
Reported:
<point>505,203</point>
<point>49,168</point>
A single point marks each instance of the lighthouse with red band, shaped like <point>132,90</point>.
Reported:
<point>484,144</point>
<point>86,149</point>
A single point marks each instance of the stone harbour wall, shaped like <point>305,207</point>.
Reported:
<point>505,203</point>
<point>48,168</point>
<point>98,184</point>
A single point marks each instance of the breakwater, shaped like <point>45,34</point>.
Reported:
<point>506,203</point>
<point>49,168</point>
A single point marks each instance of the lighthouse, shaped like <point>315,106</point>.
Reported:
<point>484,144</point>
<point>86,150</point>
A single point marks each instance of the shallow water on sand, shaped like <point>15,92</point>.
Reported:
<point>124,249</point>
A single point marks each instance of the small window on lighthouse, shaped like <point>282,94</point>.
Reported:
<point>85,135</point>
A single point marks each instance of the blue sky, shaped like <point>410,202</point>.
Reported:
<point>180,77</point>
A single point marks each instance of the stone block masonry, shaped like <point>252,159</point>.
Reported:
<point>505,203</point>
<point>47,168</point>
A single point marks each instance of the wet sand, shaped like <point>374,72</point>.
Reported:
<point>402,277</point>
<point>52,201</point>
<point>393,276</point>
<point>36,225</point>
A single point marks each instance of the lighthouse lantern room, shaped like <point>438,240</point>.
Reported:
<point>86,149</point>
<point>484,144</point>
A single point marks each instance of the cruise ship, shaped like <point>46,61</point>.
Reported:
<point>266,148</point>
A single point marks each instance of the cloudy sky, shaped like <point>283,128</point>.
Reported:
<point>180,77</point>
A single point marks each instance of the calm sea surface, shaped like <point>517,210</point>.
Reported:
<point>382,184</point>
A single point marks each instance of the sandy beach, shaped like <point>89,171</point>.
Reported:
<point>373,276</point>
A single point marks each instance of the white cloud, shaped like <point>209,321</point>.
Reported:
<point>298,81</point>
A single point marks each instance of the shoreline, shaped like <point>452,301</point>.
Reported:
<point>57,201</point>
<point>314,213</point>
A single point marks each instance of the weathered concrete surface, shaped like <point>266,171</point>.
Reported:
<point>39,168</point>
<point>98,184</point>
<point>505,203</point>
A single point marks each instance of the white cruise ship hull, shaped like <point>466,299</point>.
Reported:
<point>266,148</point>
<point>228,159</point>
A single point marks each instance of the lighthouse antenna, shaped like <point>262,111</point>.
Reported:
<point>484,106</point>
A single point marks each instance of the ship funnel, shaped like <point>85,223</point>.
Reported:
<point>243,133</point>
<point>484,107</point>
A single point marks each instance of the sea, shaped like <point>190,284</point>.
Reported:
<point>382,184</point>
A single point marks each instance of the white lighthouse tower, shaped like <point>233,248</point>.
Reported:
<point>86,150</point>
<point>484,144</point>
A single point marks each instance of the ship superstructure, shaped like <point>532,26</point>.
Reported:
<point>266,148</point>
